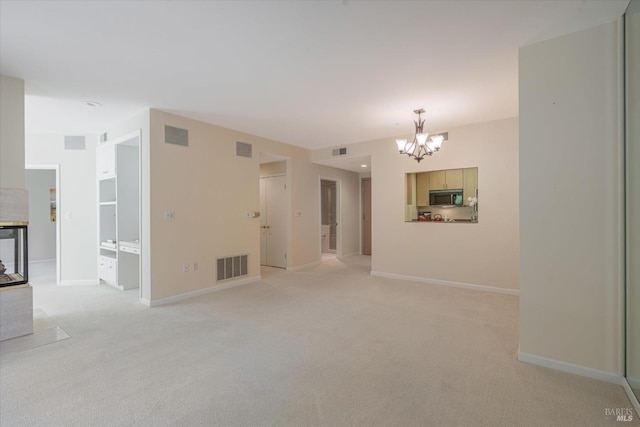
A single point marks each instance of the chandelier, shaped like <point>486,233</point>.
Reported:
<point>419,147</point>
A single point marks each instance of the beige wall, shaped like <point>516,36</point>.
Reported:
<point>77,212</point>
<point>11,132</point>
<point>571,198</point>
<point>273,168</point>
<point>483,254</point>
<point>210,190</point>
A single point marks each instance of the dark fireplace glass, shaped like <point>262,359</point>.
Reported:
<point>13,255</point>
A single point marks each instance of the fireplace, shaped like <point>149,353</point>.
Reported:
<point>13,254</point>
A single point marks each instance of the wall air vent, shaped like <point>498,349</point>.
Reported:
<point>74,142</point>
<point>340,151</point>
<point>230,267</point>
<point>243,149</point>
<point>103,137</point>
<point>176,136</point>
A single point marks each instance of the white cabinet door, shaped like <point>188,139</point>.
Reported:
<point>273,221</point>
<point>102,267</point>
<point>112,271</point>
<point>106,160</point>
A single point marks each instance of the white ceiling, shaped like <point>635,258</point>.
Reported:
<point>308,73</point>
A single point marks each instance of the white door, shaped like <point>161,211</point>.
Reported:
<point>273,221</point>
<point>263,221</point>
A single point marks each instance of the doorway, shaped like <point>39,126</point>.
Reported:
<point>273,214</point>
<point>43,185</point>
<point>329,216</point>
<point>366,216</point>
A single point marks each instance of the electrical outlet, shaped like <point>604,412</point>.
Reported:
<point>185,268</point>
<point>195,266</point>
<point>169,215</point>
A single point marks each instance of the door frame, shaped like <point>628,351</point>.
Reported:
<point>55,167</point>
<point>338,182</point>
<point>362,179</point>
<point>286,229</point>
<point>265,157</point>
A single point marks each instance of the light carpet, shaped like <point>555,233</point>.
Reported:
<point>330,346</point>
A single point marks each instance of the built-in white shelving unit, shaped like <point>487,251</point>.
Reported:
<point>118,175</point>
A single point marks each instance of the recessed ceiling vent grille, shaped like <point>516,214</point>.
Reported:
<point>340,151</point>
<point>74,142</point>
<point>243,149</point>
<point>230,267</point>
<point>176,136</point>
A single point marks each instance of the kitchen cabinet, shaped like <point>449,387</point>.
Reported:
<point>422,188</point>
<point>446,180</point>
<point>470,184</point>
<point>454,178</point>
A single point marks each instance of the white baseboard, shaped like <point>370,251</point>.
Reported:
<point>626,384</point>
<point>145,301</point>
<point>446,283</point>
<point>199,292</point>
<point>570,368</point>
<point>79,282</point>
<point>304,266</point>
<point>41,261</point>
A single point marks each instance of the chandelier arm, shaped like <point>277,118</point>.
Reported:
<point>419,148</point>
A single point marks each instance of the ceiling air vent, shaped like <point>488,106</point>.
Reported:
<point>340,151</point>
<point>176,136</point>
<point>74,142</point>
<point>243,149</point>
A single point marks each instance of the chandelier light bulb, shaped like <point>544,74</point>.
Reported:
<point>402,144</point>
<point>437,141</point>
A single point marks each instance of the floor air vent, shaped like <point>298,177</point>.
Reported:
<point>230,267</point>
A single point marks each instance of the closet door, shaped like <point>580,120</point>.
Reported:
<point>273,221</point>
<point>263,221</point>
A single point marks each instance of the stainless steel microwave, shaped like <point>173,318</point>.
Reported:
<point>446,197</point>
